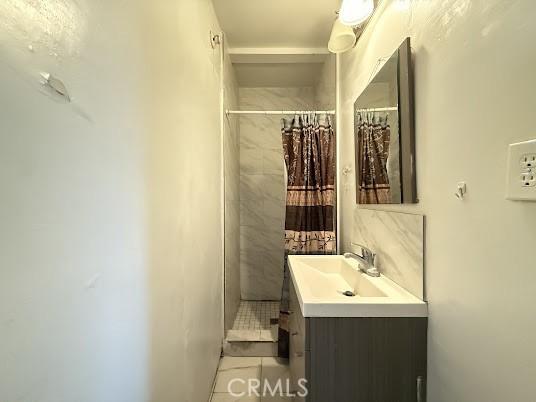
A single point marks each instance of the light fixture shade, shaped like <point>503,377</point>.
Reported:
<point>354,12</point>
<point>342,38</point>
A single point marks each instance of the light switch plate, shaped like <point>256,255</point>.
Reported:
<point>521,180</point>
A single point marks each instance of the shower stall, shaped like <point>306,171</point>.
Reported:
<point>255,201</point>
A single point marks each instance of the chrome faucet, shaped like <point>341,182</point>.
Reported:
<point>367,260</point>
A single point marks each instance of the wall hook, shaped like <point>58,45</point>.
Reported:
<point>461,190</point>
<point>56,86</point>
<point>215,40</point>
<point>346,170</point>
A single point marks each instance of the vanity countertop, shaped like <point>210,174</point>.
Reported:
<point>321,283</point>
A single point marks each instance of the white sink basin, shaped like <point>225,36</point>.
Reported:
<point>320,283</point>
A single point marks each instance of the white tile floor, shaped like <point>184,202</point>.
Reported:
<point>253,324</point>
<point>267,370</point>
<point>255,315</point>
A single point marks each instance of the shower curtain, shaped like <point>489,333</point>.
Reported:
<point>309,150</point>
<point>373,137</point>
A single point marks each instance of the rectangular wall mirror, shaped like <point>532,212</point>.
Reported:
<point>384,134</point>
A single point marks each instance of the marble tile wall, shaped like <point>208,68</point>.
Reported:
<point>398,240</point>
<point>263,189</point>
<point>231,156</point>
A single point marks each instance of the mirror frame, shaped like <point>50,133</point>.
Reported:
<point>406,129</point>
<point>406,116</point>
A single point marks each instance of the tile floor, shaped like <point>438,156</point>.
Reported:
<point>252,322</point>
<point>267,370</point>
<point>256,314</point>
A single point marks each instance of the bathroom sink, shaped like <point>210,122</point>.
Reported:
<point>333,286</point>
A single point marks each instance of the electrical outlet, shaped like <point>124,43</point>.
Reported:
<point>528,179</point>
<point>528,161</point>
<point>521,181</point>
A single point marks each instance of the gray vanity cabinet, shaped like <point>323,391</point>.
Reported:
<point>298,347</point>
<point>372,359</point>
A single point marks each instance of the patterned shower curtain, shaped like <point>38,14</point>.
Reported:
<point>309,150</point>
<point>373,137</point>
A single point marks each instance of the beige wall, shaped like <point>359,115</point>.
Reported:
<point>110,239</point>
<point>325,96</point>
<point>474,88</point>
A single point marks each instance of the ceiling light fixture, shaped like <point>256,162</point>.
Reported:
<point>342,38</point>
<point>354,12</point>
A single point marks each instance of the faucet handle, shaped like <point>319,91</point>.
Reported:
<point>373,259</point>
<point>367,253</point>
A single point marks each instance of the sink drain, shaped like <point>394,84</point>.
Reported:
<point>349,293</point>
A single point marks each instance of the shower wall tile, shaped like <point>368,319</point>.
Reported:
<point>274,235</point>
<point>252,285</point>
<point>232,191</point>
<point>232,168</point>
<point>398,240</point>
<point>252,241</point>
<point>259,280</point>
<point>251,187</point>
<point>260,131</point>
<point>231,157</point>
<point>251,133</point>
<point>273,162</point>
<point>251,161</point>
<point>274,258</point>
<point>263,189</point>
<point>232,213</point>
<point>274,140</point>
<point>276,98</point>
<point>274,224</point>
<point>274,209</point>
<point>273,187</point>
<point>251,214</point>
<point>272,280</point>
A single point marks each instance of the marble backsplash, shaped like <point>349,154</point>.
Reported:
<point>398,240</point>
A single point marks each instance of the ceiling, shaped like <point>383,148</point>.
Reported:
<point>277,43</point>
<point>276,23</point>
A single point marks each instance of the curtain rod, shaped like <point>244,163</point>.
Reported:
<point>377,109</point>
<point>279,111</point>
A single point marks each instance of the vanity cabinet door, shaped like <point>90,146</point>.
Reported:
<point>296,322</point>
<point>297,352</point>
<point>367,359</point>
